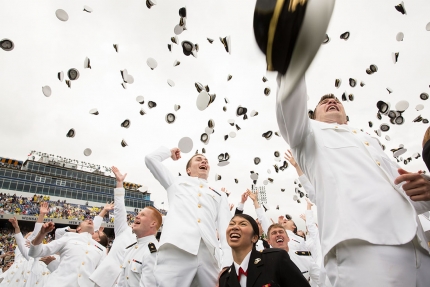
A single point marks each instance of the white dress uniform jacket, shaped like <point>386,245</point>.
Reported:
<point>139,261</point>
<point>195,211</point>
<point>307,266</point>
<point>80,255</point>
<point>107,273</point>
<point>352,176</point>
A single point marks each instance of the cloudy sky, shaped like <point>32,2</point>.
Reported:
<point>44,46</point>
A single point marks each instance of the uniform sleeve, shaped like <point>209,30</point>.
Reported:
<point>20,241</point>
<point>97,222</point>
<point>223,220</point>
<point>289,273</point>
<point>239,208</point>
<point>51,248</point>
<point>53,265</point>
<point>148,279</point>
<point>120,223</point>
<point>158,170</point>
<point>59,232</point>
<point>314,273</point>
<point>307,185</point>
<point>292,114</point>
<point>36,230</point>
<point>265,222</point>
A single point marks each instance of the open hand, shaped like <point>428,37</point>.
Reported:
<point>289,156</point>
<point>118,175</point>
<point>44,208</point>
<point>14,222</point>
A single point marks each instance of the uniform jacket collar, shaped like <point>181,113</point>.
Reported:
<point>254,270</point>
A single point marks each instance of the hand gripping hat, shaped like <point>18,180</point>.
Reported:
<point>289,33</point>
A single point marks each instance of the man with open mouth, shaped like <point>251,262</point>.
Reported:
<point>189,253</point>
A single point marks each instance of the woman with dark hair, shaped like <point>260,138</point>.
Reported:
<point>271,267</point>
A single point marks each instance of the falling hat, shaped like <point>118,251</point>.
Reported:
<point>401,8</point>
<point>383,107</point>
<point>395,57</point>
<point>126,124</point>
<point>170,118</point>
<point>46,90</point>
<point>210,40</point>
<point>337,83</point>
<point>345,36</point>
<point>217,177</point>
<point>152,104</point>
<point>71,133</point>
<point>87,152</point>
<point>290,34</point>
<point>326,39</point>
<point>264,79</point>
<point>226,41</point>
<point>185,144</point>
<point>176,107</point>
<point>254,113</point>
<point>142,112</point>
<point>60,76</point>
<point>399,36</point>
<point>62,15</point>
<point>87,63</point>
<point>176,63</point>
<point>424,96</point>
<point>419,107</point>
<point>267,135</point>
<point>169,46</point>
<point>211,123</point>
<point>257,160</point>
<point>229,77</point>
<point>267,91</point>
<point>240,111</point>
<point>94,112</point>
<point>183,12</point>
<point>204,137</point>
<point>7,45</point>
<point>152,63</point>
<point>88,9</point>
<point>150,3</point>
<point>124,143</point>
<point>402,106</point>
<point>399,151</point>
<point>116,47</point>
<point>170,83</point>
<point>187,47</point>
<point>204,99</point>
<point>175,39</point>
<point>352,82</point>
<point>73,74</point>
<point>140,100</point>
<point>384,127</point>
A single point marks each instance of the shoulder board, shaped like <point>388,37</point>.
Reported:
<point>214,191</point>
<point>131,245</point>
<point>303,253</point>
<point>152,247</point>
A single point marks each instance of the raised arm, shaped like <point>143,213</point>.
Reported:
<point>98,220</point>
<point>292,114</point>
<point>20,241</point>
<point>40,250</point>
<point>223,219</point>
<point>241,204</point>
<point>261,215</point>
<point>158,170</point>
<point>120,223</point>
<point>43,211</point>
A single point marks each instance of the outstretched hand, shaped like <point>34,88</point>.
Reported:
<point>175,153</point>
<point>118,175</point>
<point>252,195</point>
<point>281,219</point>
<point>14,222</point>
<point>302,216</point>
<point>289,156</point>
<point>244,197</point>
<point>44,208</point>
<point>416,186</point>
<point>109,206</point>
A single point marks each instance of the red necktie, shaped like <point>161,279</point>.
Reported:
<point>241,272</point>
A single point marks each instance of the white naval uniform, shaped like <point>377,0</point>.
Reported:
<point>80,255</point>
<point>196,212</point>
<point>110,270</point>
<point>307,266</point>
<point>139,261</point>
<point>354,183</point>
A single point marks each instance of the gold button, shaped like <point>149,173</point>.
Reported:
<point>120,266</point>
<point>79,275</point>
<point>378,163</point>
<point>134,269</point>
<point>83,263</point>
<point>127,277</point>
<point>89,243</point>
<point>366,143</point>
<point>336,127</point>
<point>198,220</point>
<point>86,252</point>
<point>135,247</point>
<point>199,194</point>
<point>199,205</point>
<point>201,185</point>
<point>354,131</point>
<point>17,280</point>
<point>128,261</point>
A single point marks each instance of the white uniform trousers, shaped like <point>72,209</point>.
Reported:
<point>358,263</point>
<point>176,267</point>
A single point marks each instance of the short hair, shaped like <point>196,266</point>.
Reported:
<point>189,161</point>
<point>104,240</point>
<point>275,225</point>
<point>426,136</point>
<point>157,216</point>
<point>327,96</point>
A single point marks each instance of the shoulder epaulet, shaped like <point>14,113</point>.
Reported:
<point>214,191</point>
<point>152,247</point>
<point>131,245</point>
<point>303,253</point>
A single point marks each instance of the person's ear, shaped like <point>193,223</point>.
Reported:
<point>188,171</point>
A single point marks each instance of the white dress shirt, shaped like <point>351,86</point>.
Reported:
<point>139,263</point>
<point>196,211</point>
<point>244,266</point>
<point>353,178</point>
<point>80,255</point>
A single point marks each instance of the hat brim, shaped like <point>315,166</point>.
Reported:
<point>311,36</point>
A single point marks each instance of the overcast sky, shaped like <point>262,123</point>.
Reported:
<point>44,46</point>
